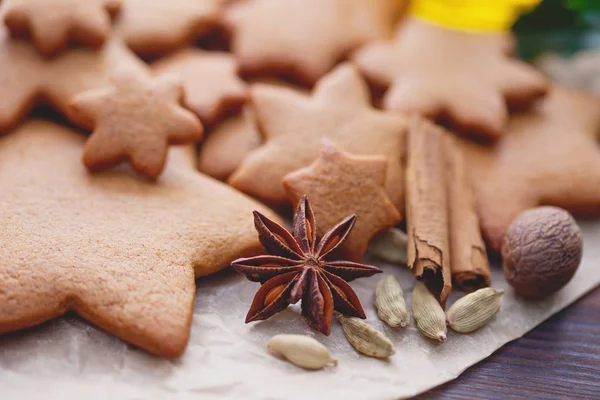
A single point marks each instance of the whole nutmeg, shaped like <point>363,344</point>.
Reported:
<point>541,251</point>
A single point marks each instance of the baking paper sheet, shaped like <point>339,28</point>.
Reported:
<point>227,359</point>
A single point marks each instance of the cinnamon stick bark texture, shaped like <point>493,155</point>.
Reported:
<point>468,257</point>
<point>427,208</point>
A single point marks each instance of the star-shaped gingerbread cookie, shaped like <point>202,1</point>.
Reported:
<point>548,156</point>
<point>304,39</point>
<point>134,119</point>
<point>339,184</point>
<point>52,24</point>
<point>293,125</point>
<point>27,78</point>
<point>120,252</point>
<point>228,144</point>
<point>464,78</point>
<point>153,28</point>
<point>212,87</point>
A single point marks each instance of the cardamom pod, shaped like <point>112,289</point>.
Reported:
<point>474,310</point>
<point>390,304</point>
<point>390,246</point>
<point>366,339</point>
<point>302,351</point>
<point>429,315</point>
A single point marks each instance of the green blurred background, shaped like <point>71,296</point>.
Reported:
<point>560,26</point>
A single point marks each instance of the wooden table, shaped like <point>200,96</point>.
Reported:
<point>560,359</point>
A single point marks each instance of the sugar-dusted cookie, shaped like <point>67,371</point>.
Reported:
<point>120,252</point>
<point>52,24</point>
<point>228,143</point>
<point>464,77</point>
<point>293,125</point>
<point>155,27</point>
<point>548,156</point>
<point>212,87</point>
<point>339,184</point>
<point>134,119</point>
<point>28,78</point>
<point>304,39</point>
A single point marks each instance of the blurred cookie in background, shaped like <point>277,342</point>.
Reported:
<point>579,71</point>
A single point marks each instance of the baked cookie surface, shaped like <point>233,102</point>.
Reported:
<point>464,78</point>
<point>304,39</point>
<point>28,79</point>
<point>293,125</point>
<point>120,252</point>
<point>53,24</point>
<point>549,155</point>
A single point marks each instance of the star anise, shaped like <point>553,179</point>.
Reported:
<point>297,269</point>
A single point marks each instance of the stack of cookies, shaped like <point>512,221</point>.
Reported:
<point>356,105</point>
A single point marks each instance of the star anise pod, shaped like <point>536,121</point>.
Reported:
<point>297,269</point>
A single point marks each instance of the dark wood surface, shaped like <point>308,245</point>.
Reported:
<point>560,359</point>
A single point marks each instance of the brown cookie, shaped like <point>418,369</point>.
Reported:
<point>116,250</point>
<point>548,156</point>
<point>134,120</point>
<point>466,78</point>
<point>293,125</point>
<point>581,70</point>
<point>212,87</point>
<point>339,184</point>
<point>304,39</point>
<point>53,24</point>
<point>152,28</point>
<point>227,144</point>
<point>29,79</point>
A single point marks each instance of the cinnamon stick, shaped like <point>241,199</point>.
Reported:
<point>427,209</point>
<point>468,256</point>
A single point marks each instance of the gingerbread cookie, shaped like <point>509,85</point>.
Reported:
<point>152,28</point>
<point>582,70</point>
<point>212,87</point>
<point>304,39</point>
<point>465,78</point>
<point>120,252</point>
<point>52,24</point>
<point>293,125</point>
<point>230,141</point>
<point>548,156</point>
<point>340,184</point>
<point>228,144</point>
<point>134,119</point>
<point>29,79</point>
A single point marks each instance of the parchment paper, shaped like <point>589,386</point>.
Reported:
<point>226,359</point>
